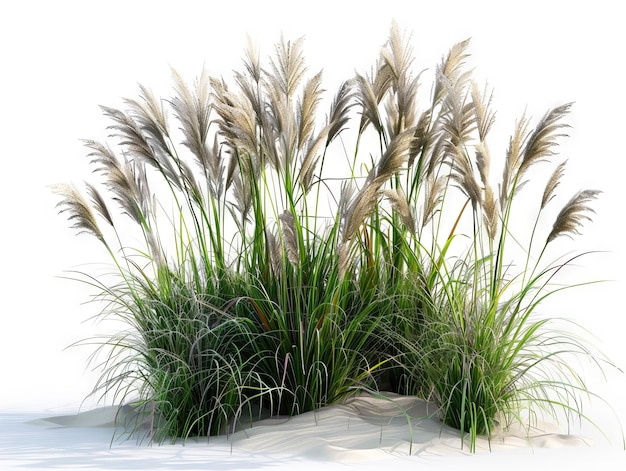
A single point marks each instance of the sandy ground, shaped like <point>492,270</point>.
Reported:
<point>365,433</point>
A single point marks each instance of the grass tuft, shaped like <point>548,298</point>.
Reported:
<point>253,280</point>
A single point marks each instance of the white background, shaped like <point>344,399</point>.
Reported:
<point>60,60</point>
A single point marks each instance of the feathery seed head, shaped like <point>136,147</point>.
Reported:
<point>451,70</point>
<point>274,251</point>
<point>98,203</point>
<point>490,215</point>
<point>78,210</point>
<point>399,203</point>
<point>434,191</point>
<point>573,214</point>
<point>287,67</point>
<point>192,107</point>
<point>126,180</point>
<point>290,239</point>
<point>484,116</point>
<point>340,109</point>
<point>553,182</point>
<point>463,175</point>
<point>542,140</point>
<point>252,62</point>
<point>513,160</point>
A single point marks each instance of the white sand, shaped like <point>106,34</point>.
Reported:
<point>365,433</point>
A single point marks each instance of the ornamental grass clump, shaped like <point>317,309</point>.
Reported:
<point>235,302</point>
<point>253,279</point>
<point>477,348</point>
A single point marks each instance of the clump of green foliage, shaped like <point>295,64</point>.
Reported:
<point>255,279</point>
